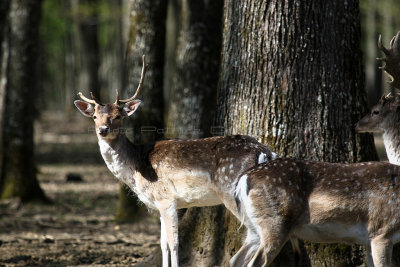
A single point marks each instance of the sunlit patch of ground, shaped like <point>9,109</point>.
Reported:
<point>78,228</point>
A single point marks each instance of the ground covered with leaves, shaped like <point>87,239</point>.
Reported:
<point>77,228</point>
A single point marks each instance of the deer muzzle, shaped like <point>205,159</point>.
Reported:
<point>103,130</point>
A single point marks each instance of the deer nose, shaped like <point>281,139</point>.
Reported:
<point>104,130</point>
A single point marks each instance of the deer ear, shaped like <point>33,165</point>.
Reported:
<point>132,106</point>
<point>396,103</point>
<point>85,108</point>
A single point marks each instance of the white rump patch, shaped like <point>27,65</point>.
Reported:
<point>262,158</point>
<point>241,194</point>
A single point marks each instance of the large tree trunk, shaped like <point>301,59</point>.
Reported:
<point>147,37</point>
<point>191,111</point>
<point>291,76</point>
<point>193,91</point>
<point>18,173</point>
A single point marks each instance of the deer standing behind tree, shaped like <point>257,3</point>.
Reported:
<point>320,202</point>
<point>172,174</point>
<point>385,115</point>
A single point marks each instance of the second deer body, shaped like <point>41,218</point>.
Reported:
<point>320,202</point>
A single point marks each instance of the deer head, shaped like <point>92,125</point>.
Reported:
<point>381,116</point>
<point>108,117</point>
<point>385,111</point>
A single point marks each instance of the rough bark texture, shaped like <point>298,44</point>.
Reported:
<point>193,91</point>
<point>18,173</point>
<point>291,76</point>
<point>190,115</point>
<point>146,37</point>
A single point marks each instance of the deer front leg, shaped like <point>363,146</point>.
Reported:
<point>164,244</point>
<point>169,217</point>
<point>369,256</point>
<point>381,252</point>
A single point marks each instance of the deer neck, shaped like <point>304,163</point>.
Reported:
<point>391,139</point>
<point>120,158</point>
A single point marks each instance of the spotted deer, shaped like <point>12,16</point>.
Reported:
<point>385,115</point>
<point>172,174</point>
<point>293,199</point>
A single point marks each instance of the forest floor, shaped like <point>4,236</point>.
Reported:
<point>78,227</point>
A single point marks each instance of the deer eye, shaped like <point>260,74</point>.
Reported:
<point>375,112</point>
<point>94,117</point>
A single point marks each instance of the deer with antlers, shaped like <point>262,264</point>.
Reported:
<point>385,115</point>
<point>287,199</point>
<point>172,174</point>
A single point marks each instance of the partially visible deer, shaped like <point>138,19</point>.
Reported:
<point>385,116</point>
<point>173,174</point>
<point>287,199</point>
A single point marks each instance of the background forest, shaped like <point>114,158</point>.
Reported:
<point>215,67</point>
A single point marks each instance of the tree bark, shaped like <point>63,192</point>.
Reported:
<point>292,77</point>
<point>191,111</point>
<point>88,29</point>
<point>18,174</point>
<point>4,53</point>
<point>193,91</point>
<point>146,37</point>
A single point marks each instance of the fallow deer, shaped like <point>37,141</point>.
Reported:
<point>171,174</point>
<point>385,115</point>
<point>287,199</point>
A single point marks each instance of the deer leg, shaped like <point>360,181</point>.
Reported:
<point>169,216</point>
<point>369,256</point>
<point>381,249</point>
<point>273,237</point>
<point>164,244</point>
<point>243,256</point>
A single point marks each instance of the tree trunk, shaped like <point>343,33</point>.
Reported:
<point>292,77</point>
<point>193,91</point>
<point>147,37</point>
<point>191,109</point>
<point>88,27</point>
<point>4,53</point>
<point>18,174</point>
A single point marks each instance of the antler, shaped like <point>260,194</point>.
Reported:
<point>91,101</point>
<point>392,60</point>
<point>144,68</point>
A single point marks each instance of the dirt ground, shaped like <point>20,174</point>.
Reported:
<point>78,228</point>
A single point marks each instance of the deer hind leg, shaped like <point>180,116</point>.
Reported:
<point>381,249</point>
<point>273,238</point>
<point>245,253</point>
<point>169,217</point>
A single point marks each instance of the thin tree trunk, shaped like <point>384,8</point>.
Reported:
<point>18,176</point>
<point>191,112</point>
<point>146,37</point>
<point>292,77</point>
<point>4,53</point>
